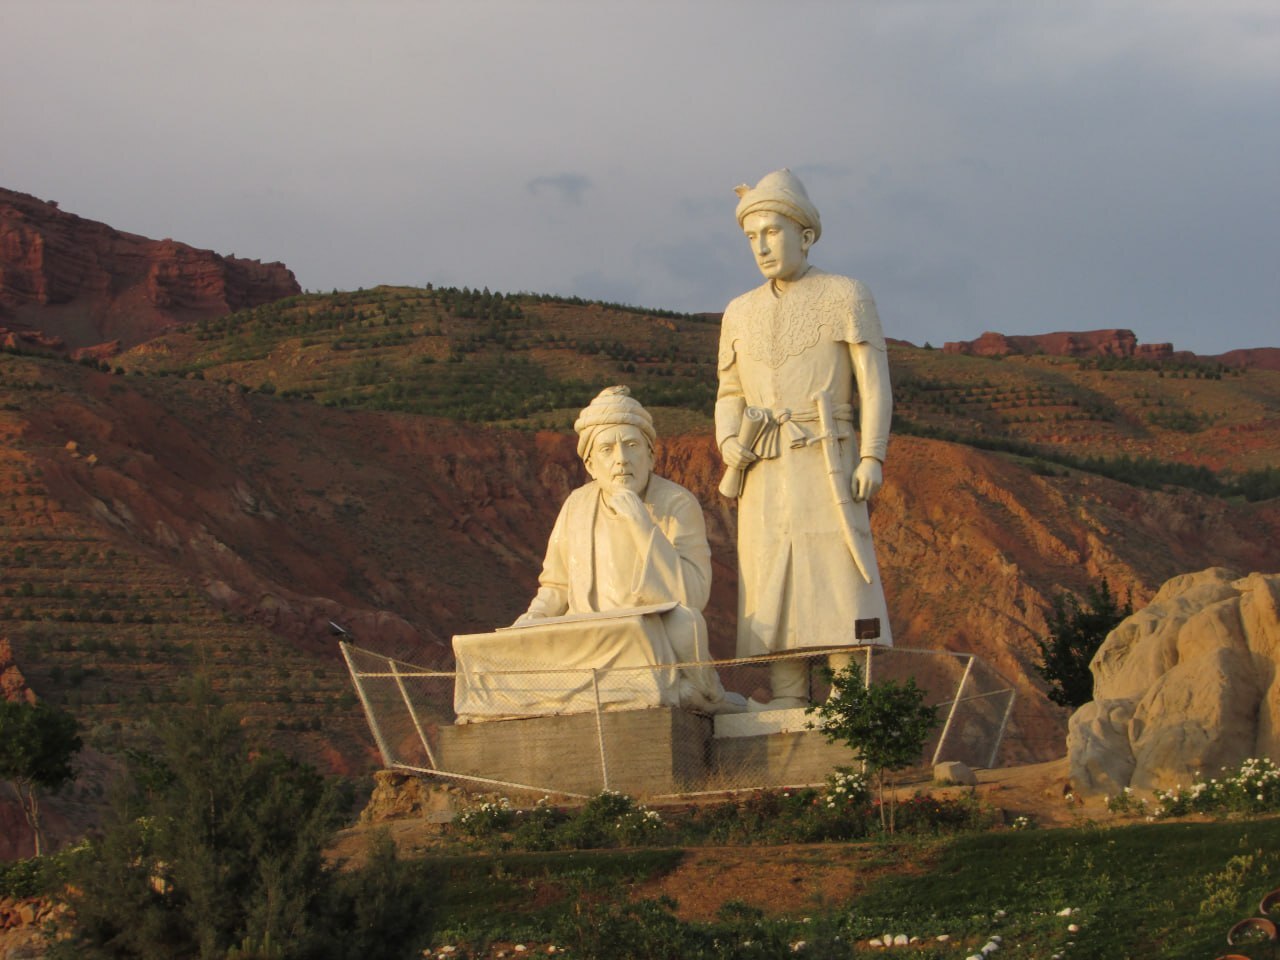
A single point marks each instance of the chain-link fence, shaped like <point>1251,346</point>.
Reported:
<point>635,727</point>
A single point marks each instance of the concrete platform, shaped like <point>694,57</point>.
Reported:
<point>647,753</point>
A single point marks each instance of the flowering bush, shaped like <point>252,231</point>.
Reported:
<point>841,810</point>
<point>1127,803</point>
<point>1254,788</point>
<point>609,819</point>
<point>491,817</point>
<point>846,787</point>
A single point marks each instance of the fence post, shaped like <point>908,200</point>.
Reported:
<point>1004,723</point>
<point>364,702</point>
<point>952,712</point>
<point>413,714</point>
<point>604,762</point>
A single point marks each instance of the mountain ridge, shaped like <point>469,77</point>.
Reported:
<point>75,284</point>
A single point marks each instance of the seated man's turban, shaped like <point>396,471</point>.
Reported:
<point>612,407</point>
<point>780,192</point>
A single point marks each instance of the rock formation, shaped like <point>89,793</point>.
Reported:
<point>1090,343</point>
<point>64,278</point>
<point>1256,358</point>
<point>13,685</point>
<point>1186,686</point>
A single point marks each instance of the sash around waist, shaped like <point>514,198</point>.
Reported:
<point>795,423</point>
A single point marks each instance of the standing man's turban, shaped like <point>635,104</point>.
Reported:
<point>612,407</point>
<point>780,192</point>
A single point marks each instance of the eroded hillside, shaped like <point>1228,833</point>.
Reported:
<point>159,525</point>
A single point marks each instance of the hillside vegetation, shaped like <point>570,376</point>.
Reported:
<point>533,361</point>
<point>393,460</point>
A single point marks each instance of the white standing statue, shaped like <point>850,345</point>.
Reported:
<point>792,354</point>
<point>629,539</point>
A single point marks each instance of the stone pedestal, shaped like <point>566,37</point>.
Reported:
<point>774,748</point>
<point>647,752</point>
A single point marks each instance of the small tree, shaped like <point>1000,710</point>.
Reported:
<point>885,723</point>
<point>218,846</point>
<point>37,743</point>
<point>1076,631</point>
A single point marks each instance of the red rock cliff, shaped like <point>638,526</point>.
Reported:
<point>1089,343</point>
<point>84,283</point>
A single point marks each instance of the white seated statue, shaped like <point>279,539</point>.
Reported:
<point>617,619</point>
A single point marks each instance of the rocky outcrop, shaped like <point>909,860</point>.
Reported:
<point>1090,343</point>
<point>23,926</point>
<point>1186,686</point>
<point>398,796</point>
<point>1256,358</point>
<point>13,685</point>
<point>64,278</point>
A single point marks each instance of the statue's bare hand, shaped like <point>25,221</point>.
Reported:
<point>867,479</point>
<point>527,618</point>
<point>628,505</point>
<point>736,454</point>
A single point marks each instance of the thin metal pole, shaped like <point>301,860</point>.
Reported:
<point>946,727</point>
<point>364,701</point>
<point>867,679</point>
<point>488,781</point>
<point>413,715</point>
<point>1004,723</point>
<point>604,762</point>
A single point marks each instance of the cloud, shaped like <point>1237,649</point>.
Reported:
<point>570,186</point>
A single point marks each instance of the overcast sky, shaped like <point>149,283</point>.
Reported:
<point>1013,166</point>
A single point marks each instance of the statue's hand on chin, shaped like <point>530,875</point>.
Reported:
<point>628,505</point>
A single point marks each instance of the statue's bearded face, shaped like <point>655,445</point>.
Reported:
<point>779,244</point>
<point>620,459</point>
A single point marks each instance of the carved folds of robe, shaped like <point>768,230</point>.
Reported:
<point>603,571</point>
<point>799,585</point>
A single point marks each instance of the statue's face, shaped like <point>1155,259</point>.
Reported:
<point>620,459</point>
<point>780,245</point>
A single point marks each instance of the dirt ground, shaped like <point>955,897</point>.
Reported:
<point>795,879</point>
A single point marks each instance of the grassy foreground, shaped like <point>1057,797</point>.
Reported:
<point>1169,890</point>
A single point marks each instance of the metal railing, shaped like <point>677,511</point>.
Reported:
<point>602,741</point>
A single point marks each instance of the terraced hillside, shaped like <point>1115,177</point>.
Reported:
<point>524,360</point>
<point>394,459</point>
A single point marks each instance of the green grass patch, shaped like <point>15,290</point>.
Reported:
<point>1152,890</point>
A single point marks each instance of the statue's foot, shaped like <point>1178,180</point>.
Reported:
<point>777,703</point>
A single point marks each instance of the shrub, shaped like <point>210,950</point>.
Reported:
<point>1253,788</point>
<point>489,819</point>
<point>885,723</point>
<point>1076,631</point>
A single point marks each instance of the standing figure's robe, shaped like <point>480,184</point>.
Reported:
<point>798,583</point>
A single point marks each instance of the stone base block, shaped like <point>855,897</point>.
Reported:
<point>778,759</point>
<point>648,752</point>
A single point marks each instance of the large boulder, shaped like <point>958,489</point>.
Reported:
<point>1183,687</point>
